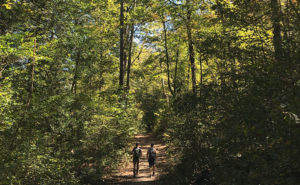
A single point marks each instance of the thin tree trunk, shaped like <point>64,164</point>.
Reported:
<point>286,26</point>
<point>176,68</point>
<point>124,63</point>
<point>191,47</point>
<point>126,49</point>
<point>129,56</point>
<point>130,51</point>
<point>201,73</point>
<point>201,70</point>
<point>277,40</point>
<point>121,75</point>
<point>162,80</point>
<point>188,75</point>
<point>167,57</point>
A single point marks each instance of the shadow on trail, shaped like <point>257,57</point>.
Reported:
<point>131,177</point>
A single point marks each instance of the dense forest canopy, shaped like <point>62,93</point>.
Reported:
<point>217,80</point>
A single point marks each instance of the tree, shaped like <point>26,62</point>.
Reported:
<point>122,56</point>
<point>190,44</point>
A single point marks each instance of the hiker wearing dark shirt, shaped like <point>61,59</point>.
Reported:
<point>151,156</point>
<point>137,153</point>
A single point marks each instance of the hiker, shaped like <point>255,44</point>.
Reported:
<point>137,153</point>
<point>151,156</point>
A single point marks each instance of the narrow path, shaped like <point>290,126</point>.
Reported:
<point>125,175</point>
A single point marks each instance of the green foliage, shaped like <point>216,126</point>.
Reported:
<point>242,127</point>
<point>61,119</point>
<point>65,120</point>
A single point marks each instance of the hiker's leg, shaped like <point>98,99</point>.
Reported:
<point>153,169</point>
<point>137,167</point>
<point>133,168</point>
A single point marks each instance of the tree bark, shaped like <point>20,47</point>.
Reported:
<point>277,40</point>
<point>191,47</point>
<point>162,80</point>
<point>175,75</point>
<point>130,52</point>
<point>121,75</point>
<point>167,57</point>
<point>129,56</point>
<point>124,62</point>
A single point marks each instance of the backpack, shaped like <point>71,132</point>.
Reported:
<point>136,152</point>
<point>152,153</point>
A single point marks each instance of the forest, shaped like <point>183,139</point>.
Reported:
<point>217,81</point>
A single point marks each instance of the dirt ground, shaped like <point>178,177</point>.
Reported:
<point>125,175</point>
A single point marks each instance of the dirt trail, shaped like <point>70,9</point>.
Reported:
<point>125,175</point>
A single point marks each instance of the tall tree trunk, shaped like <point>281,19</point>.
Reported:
<point>121,75</point>
<point>167,57</point>
<point>191,47</point>
<point>126,47</point>
<point>286,26</point>
<point>188,75</point>
<point>277,40</point>
<point>176,68</point>
<point>201,73</point>
<point>130,51</point>
<point>129,56</point>
<point>124,62</point>
<point>162,80</point>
